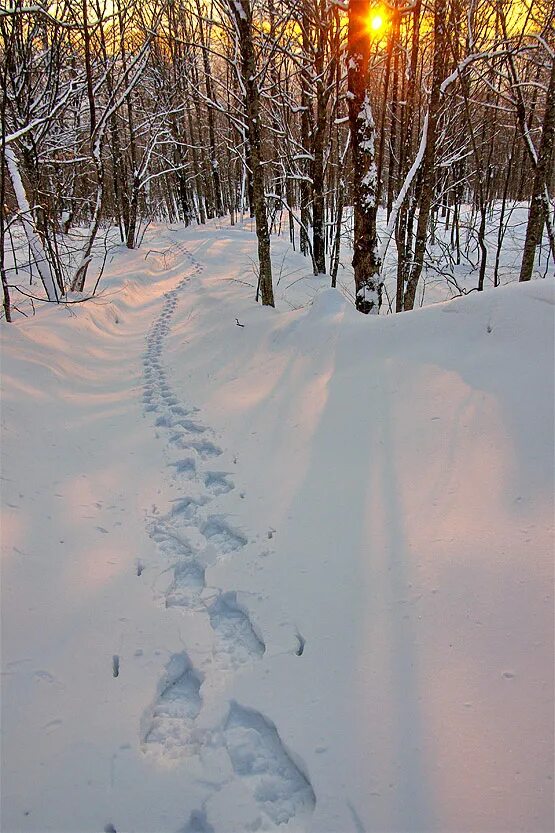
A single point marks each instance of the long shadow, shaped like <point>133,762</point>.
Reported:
<point>412,809</point>
<point>356,468</point>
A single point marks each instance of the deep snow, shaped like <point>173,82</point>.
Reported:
<point>296,574</point>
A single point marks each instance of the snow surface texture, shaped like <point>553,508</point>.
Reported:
<point>294,575</point>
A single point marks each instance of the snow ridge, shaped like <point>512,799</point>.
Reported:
<point>192,539</point>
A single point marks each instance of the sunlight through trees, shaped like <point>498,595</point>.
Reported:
<point>349,111</point>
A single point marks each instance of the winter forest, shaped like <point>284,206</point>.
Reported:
<point>312,117</point>
<point>275,558</point>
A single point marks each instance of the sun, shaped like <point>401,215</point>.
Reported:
<point>376,22</point>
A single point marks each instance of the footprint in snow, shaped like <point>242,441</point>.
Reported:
<point>187,507</point>
<point>164,421</point>
<point>170,541</point>
<point>176,709</point>
<point>236,640</point>
<point>187,585</point>
<point>198,824</point>
<point>191,426</point>
<point>187,466</point>
<point>217,482</point>
<point>221,535</point>
<point>258,756</point>
<point>179,410</point>
<point>204,448</point>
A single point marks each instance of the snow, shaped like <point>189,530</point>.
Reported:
<point>369,294</point>
<point>365,115</point>
<point>295,575</point>
<point>369,181</point>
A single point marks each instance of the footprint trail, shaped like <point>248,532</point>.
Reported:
<point>191,538</point>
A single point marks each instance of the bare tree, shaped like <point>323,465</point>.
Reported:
<point>366,263</point>
<point>540,206</point>
<point>241,13</point>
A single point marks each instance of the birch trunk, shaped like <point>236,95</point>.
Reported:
<point>35,243</point>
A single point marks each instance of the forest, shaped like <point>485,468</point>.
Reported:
<point>273,557</point>
<point>356,129</point>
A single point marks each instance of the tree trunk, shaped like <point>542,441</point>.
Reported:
<point>242,13</point>
<point>305,187</point>
<point>402,234</point>
<point>35,243</point>
<point>426,194</point>
<point>540,205</point>
<point>196,170</point>
<point>215,168</point>
<point>318,241</point>
<point>5,290</point>
<point>366,263</point>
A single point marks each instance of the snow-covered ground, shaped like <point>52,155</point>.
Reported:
<point>295,574</point>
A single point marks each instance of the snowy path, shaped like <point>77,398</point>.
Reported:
<point>295,575</point>
<point>191,536</point>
